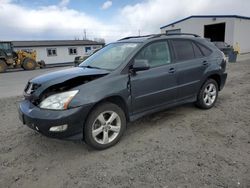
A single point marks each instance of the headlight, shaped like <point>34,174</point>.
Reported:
<point>58,101</point>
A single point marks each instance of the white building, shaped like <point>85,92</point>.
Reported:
<point>58,51</point>
<point>232,29</point>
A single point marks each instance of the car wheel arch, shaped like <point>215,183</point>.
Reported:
<point>119,101</point>
<point>212,75</point>
<point>116,99</point>
<point>215,77</point>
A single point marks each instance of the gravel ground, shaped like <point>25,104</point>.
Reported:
<point>179,147</point>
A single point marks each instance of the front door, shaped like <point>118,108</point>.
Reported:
<point>156,86</point>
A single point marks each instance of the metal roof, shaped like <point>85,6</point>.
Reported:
<point>40,43</point>
<point>207,16</point>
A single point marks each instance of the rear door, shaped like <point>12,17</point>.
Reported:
<point>190,65</point>
<point>156,86</point>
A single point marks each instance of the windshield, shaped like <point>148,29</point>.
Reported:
<point>110,57</point>
<point>5,46</point>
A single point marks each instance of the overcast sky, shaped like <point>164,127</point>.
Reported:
<point>108,19</point>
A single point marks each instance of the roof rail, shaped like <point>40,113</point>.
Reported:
<point>133,37</point>
<point>172,34</point>
<point>158,35</point>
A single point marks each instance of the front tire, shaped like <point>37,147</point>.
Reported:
<point>104,126</point>
<point>208,94</point>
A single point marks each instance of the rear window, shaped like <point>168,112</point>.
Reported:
<point>183,49</point>
<point>197,51</point>
<point>205,50</point>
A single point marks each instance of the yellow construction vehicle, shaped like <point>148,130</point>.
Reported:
<point>20,59</point>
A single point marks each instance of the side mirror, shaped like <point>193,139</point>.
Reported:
<point>140,65</point>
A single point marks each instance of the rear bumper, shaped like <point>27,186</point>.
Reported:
<point>223,80</point>
<point>42,120</point>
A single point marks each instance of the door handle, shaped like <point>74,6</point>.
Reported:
<point>205,62</point>
<point>171,70</point>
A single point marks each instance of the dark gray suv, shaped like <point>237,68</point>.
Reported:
<point>122,82</point>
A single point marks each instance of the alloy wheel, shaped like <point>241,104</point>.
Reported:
<point>210,94</point>
<point>106,127</point>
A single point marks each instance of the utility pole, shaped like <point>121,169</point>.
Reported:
<point>139,32</point>
<point>85,34</point>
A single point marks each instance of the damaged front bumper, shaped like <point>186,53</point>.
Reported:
<point>42,120</point>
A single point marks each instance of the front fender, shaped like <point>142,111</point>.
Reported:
<point>105,87</point>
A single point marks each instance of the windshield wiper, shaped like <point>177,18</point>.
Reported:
<point>91,67</point>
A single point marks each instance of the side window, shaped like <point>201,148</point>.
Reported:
<point>205,51</point>
<point>183,50</point>
<point>72,51</point>
<point>157,54</point>
<point>51,52</point>
<point>197,51</point>
<point>5,46</point>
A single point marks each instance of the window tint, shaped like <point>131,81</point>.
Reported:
<point>157,54</point>
<point>183,49</point>
<point>197,51</point>
<point>205,51</point>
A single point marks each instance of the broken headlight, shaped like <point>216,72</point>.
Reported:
<point>59,101</point>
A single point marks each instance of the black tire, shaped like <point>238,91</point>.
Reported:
<point>42,64</point>
<point>29,64</point>
<point>3,66</point>
<point>92,119</point>
<point>203,102</point>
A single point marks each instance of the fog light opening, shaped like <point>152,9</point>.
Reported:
<point>60,128</point>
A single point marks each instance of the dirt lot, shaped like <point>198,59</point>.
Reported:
<point>180,147</point>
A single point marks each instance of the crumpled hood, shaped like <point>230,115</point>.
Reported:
<point>67,74</point>
<point>66,79</point>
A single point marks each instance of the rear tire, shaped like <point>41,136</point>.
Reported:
<point>3,66</point>
<point>104,126</point>
<point>208,94</point>
<point>29,64</point>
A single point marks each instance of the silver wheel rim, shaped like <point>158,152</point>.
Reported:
<point>106,127</point>
<point>210,94</point>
